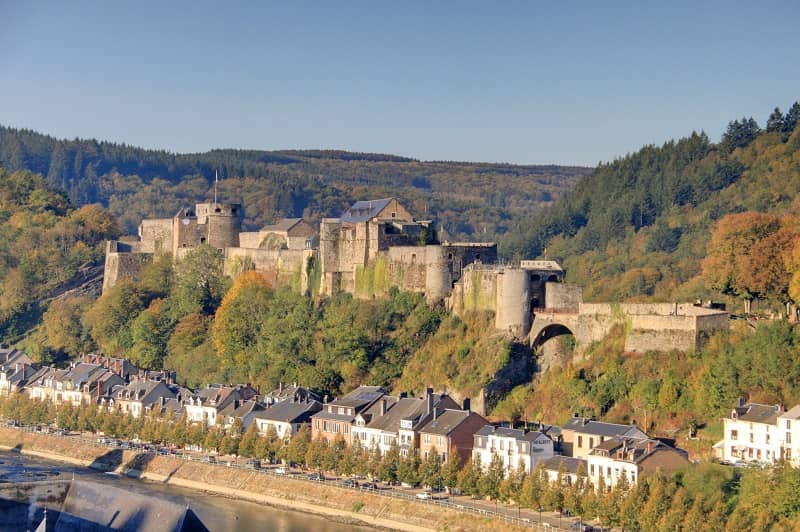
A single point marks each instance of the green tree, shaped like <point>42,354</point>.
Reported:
<point>430,472</point>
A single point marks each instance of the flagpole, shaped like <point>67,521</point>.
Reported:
<point>216,180</point>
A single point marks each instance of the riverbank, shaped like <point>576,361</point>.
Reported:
<point>343,505</point>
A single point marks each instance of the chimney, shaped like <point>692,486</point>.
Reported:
<point>383,407</point>
<point>325,399</point>
<point>99,389</point>
<point>429,398</point>
<point>466,405</point>
<point>650,446</point>
<point>740,402</point>
<point>435,412</point>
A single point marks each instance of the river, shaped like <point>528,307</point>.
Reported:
<point>217,513</point>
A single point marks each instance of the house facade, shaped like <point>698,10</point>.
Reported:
<point>580,435</point>
<point>336,418</point>
<point>761,433</point>
<point>450,433</point>
<point>205,405</point>
<point>632,458</point>
<point>519,449</point>
<point>286,417</point>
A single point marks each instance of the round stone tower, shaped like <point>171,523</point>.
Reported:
<point>223,222</point>
<point>513,302</point>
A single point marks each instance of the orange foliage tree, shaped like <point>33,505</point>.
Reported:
<point>748,254</point>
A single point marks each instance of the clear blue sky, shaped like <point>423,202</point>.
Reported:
<point>524,82</point>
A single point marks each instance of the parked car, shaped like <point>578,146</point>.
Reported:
<point>350,483</point>
<point>369,486</point>
<point>581,527</point>
<point>316,476</point>
<point>425,495</point>
<point>280,471</point>
<point>209,459</point>
<point>253,463</point>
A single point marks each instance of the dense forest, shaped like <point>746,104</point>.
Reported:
<point>469,200</point>
<point>641,226</point>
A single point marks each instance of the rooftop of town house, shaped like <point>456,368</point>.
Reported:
<point>757,413</point>
<point>359,398</point>
<point>630,449</point>
<point>290,411</point>
<point>586,425</point>
<point>446,422</point>
<point>571,465</point>
<point>515,434</point>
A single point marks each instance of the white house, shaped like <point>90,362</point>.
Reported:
<point>632,458</point>
<point>760,433</point>
<point>518,448</point>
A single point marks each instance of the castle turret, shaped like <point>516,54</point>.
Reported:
<point>513,302</point>
<point>223,221</point>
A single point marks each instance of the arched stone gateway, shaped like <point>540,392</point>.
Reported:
<point>548,333</point>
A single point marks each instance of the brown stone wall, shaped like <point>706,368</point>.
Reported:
<point>156,235</point>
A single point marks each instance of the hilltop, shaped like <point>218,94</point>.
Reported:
<point>467,199</point>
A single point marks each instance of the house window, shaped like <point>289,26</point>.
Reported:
<point>591,469</point>
<point>501,445</point>
<point>439,441</point>
<point>751,437</point>
<point>426,438</point>
<point>789,437</point>
<point>591,443</point>
<point>750,452</point>
<point>608,471</point>
<point>580,442</point>
<point>788,454</point>
<point>788,424</point>
<point>767,439</point>
<point>734,435</point>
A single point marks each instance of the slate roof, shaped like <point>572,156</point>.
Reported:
<point>571,465</point>
<point>505,432</point>
<point>361,397</point>
<point>144,391</point>
<point>446,422</point>
<point>631,449</point>
<point>601,428</point>
<point>282,226</point>
<point>362,211</point>
<point>290,411</point>
<point>758,413</point>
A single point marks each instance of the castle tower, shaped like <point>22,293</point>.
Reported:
<point>223,223</point>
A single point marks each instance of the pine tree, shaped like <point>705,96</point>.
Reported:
<point>775,121</point>
<point>792,118</point>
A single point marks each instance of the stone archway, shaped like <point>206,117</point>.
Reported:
<point>549,352</point>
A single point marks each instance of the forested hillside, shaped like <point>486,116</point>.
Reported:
<point>640,227</point>
<point>44,242</point>
<point>470,200</point>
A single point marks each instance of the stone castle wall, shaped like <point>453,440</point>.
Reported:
<point>156,235</point>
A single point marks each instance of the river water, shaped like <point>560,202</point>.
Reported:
<point>217,513</point>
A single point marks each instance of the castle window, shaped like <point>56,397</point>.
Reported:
<point>477,257</point>
<point>202,240</point>
<point>394,215</point>
<point>413,258</point>
<point>217,210</point>
<point>233,210</point>
<point>552,279</point>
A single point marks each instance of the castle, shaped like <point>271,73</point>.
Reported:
<point>376,245</point>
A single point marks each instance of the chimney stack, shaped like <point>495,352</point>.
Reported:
<point>435,412</point>
<point>466,405</point>
<point>99,389</point>
<point>383,407</point>
<point>650,446</point>
<point>429,398</point>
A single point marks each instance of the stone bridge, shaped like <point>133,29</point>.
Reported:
<point>648,326</point>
